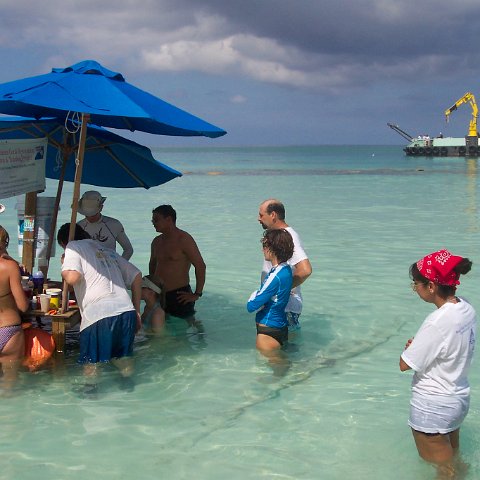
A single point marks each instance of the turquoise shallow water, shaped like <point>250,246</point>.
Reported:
<point>209,407</point>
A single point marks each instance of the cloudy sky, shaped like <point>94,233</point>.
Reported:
<point>270,72</point>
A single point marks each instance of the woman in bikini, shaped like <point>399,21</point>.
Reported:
<point>12,300</point>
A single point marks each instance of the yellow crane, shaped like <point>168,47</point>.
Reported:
<point>468,97</point>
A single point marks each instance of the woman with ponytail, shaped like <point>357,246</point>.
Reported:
<point>440,355</point>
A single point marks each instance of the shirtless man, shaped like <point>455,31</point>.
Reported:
<point>12,301</point>
<point>172,254</point>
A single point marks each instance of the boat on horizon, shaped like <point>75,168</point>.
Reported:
<point>440,146</point>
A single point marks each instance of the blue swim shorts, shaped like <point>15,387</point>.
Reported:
<point>110,337</point>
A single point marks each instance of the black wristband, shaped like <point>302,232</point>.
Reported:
<point>198,294</point>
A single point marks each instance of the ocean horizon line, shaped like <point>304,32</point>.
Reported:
<point>220,147</point>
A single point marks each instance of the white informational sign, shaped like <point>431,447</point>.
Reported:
<point>22,166</point>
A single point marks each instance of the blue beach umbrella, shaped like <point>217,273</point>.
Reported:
<point>88,87</point>
<point>110,160</point>
<point>102,97</point>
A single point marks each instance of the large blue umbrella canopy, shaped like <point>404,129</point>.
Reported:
<point>102,97</point>
<point>110,160</point>
<point>88,87</point>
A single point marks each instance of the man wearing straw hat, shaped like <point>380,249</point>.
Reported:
<point>106,230</point>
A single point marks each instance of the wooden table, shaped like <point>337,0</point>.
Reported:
<point>60,323</point>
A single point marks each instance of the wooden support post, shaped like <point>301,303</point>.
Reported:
<point>58,332</point>
<point>29,228</point>
<point>66,150</point>
<point>76,194</point>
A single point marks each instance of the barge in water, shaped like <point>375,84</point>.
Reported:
<point>440,146</point>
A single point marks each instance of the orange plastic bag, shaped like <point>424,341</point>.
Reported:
<point>39,347</point>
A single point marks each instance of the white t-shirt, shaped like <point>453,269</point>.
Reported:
<point>295,302</point>
<point>108,231</point>
<point>106,276</point>
<point>442,350</point>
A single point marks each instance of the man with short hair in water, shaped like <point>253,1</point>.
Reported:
<point>101,279</point>
<point>271,215</point>
<point>12,300</point>
<point>172,254</point>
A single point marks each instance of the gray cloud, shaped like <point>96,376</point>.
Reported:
<point>337,66</point>
<point>382,27</point>
<point>308,43</point>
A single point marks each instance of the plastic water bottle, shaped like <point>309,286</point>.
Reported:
<point>38,282</point>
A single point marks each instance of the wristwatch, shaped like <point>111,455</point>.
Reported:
<point>199,294</point>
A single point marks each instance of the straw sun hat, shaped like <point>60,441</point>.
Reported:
<point>91,203</point>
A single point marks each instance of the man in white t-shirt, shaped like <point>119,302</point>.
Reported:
<point>271,215</point>
<point>106,230</point>
<point>110,318</point>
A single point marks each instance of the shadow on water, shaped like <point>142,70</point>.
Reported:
<point>228,330</point>
<point>316,349</point>
<point>179,340</point>
<point>302,369</point>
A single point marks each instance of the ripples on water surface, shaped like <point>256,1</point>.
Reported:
<point>208,406</point>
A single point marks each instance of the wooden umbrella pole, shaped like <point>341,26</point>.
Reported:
<point>66,151</point>
<point>78,174</point>
<point>29,227</point>
<point>76,194</point>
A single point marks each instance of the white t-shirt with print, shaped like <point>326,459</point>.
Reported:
<point>106,276</point>
<point>442,351</point>
<point>108,231</point>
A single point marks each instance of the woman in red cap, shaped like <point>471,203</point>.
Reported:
<point>440,354</point>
